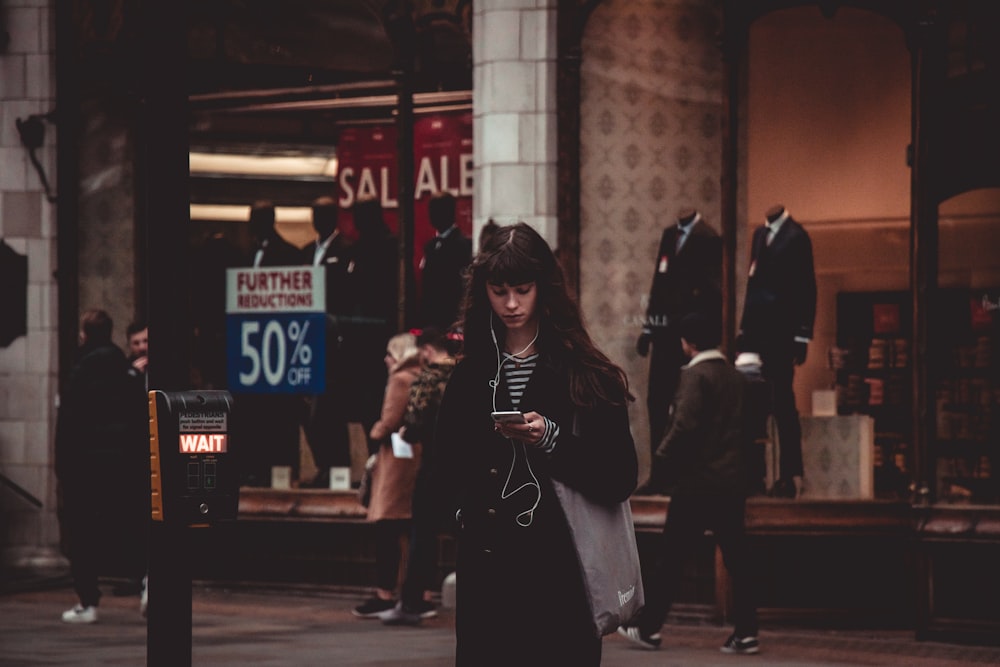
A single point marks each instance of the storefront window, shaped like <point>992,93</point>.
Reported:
<point>965,449</point>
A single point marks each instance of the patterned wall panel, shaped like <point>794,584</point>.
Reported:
<point>651,95</point>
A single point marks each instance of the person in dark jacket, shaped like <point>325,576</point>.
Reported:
<point>702,460</point>
<point>418,427</point>
<point>521,597</point>
<point>98,437</point>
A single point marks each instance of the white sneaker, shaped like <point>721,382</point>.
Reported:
<point>80,614</point>
<point>144,598</point>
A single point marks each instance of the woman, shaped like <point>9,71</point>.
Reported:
<point>521,599</point>
<point>416,599</point>
<point>393,477</point>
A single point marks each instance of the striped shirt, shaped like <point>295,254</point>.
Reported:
<point>516,373</point>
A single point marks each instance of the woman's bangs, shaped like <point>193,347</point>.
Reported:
<point>511,267</point>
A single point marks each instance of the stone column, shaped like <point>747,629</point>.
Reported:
<point>29,363</point>
<point>514,114</point>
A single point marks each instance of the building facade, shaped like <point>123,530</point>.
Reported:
<point>596,122</point>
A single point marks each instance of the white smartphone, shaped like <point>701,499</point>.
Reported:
<point>509,416</point>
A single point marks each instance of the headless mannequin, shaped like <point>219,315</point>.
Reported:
<point>684,218</point>
<point>777,213</point>
<point>685,280</point>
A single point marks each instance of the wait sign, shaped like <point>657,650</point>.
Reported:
<point>275,330</point>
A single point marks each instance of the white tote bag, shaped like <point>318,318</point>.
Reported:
<point>604,537</point>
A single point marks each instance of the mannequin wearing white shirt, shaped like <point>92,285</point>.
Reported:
<point>331,251</point>
<point>268,423</point>
<point>326,423</point>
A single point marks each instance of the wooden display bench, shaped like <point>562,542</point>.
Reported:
<point>958,557</point>
<point>824,563</point>
<point>834,563</point>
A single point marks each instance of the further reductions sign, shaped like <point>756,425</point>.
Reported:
<point>275,330</point>
<point>442,154</point>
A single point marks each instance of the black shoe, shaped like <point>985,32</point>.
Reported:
<point>400,615</point>
<point>636,636</point>
<point>423,609</point>
<point>744,645</point>
<point>374,608</point>
<point>405,614</point>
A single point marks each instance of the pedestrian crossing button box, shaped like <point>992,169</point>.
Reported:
<point>193,475</point>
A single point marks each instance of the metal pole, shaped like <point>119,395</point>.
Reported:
<point>404,123</point>
<point>402,32</point>
<point>163,208</point>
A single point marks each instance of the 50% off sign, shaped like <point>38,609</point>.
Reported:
<point>275,330</point>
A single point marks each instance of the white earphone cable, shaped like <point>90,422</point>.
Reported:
<point>504,492</point>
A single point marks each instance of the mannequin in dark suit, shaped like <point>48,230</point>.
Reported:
<point>687,279</point>
<point>375,282</point>
<point>445,257</point>
<point>332,251</point>
<point>268,423</point>
<point>326,427</point>
<point>270,249</point>
<point>777,323</point>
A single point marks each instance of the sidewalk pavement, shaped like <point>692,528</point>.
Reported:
<point>303,627</point>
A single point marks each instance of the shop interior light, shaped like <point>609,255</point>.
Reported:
<point>270,166</point>
<point>241,213</point>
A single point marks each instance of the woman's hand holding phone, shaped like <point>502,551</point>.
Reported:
<point>528,427</point>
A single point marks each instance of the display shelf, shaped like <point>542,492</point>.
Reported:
<point>872,367</point>
<point>966,448</point>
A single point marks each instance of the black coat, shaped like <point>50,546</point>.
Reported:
<point>688,281</point>
<point>683,282</point>
<point>781,290</point>
<point>278,252</point>
<point>703,451</point>
<point>102,427</point>
<point>520,592</point>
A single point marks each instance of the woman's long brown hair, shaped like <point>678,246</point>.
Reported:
<point>516,254</point>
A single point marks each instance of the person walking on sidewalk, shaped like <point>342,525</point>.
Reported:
<point>418,427</point>
<point>97,428</point>
<point>701,460</point>
<point>520,591</point>
<point>394,475</point>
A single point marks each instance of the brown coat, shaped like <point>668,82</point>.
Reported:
<point>393,479</point>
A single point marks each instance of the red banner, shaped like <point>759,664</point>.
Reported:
<point>442,160</point>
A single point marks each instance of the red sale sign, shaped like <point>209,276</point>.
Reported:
<point>442,161</point>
